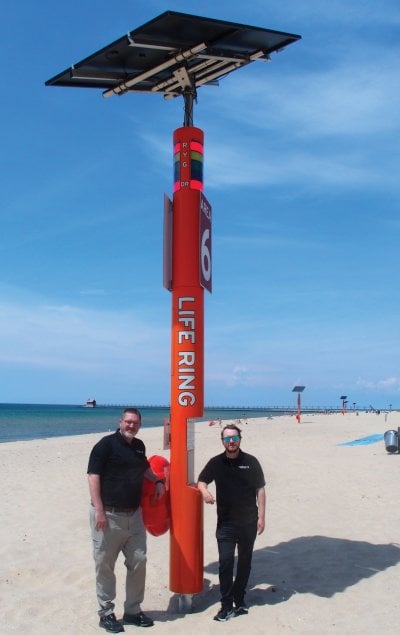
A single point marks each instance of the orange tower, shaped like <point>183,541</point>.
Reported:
<point>191,272</point>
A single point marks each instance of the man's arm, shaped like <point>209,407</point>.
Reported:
<point>94,489</point>
<point>207,496</point>
<point>159,483</point>
<point>261,510</point>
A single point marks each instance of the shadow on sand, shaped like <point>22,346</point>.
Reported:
<point>319,565</point>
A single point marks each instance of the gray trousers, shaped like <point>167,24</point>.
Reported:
<point>125,533</point>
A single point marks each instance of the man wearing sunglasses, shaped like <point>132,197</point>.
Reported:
<point>240,493</point>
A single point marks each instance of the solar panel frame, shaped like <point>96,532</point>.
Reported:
<point>155,56</point>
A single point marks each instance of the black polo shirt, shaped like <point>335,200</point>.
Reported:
<point>236,482</point>
<point>121,466</point>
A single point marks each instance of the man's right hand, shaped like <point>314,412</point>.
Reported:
<point>207,496</point>
<point>101,519</point>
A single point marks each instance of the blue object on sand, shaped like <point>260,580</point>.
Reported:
<point>372,438</point>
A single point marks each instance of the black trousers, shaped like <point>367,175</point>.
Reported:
<point>229,537</point>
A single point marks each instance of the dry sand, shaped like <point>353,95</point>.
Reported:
<point>327,563</point>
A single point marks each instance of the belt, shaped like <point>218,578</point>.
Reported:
<point>122,510</point>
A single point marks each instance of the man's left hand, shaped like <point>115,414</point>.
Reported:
<point>160,490</point>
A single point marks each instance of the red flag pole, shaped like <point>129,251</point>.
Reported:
<point>298,408</point>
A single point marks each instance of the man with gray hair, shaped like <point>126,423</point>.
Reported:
<point>117,467</point>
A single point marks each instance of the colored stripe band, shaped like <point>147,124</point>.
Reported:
<point>195,145</point>
<point>196,185</point>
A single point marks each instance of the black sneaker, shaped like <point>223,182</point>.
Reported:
<point>140,619</point>
<point>241,610</point>
<point>223,615</point>
<point>110,624</point>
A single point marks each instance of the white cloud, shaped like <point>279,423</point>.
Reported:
<point>67,337</point>
<point>356,96</point>
<point>227,166</point>
<point>352,99</point>
<point>390,384</point>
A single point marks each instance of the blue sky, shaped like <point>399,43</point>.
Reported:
<point>302,170</point>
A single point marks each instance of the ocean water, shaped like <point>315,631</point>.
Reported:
<point>20,422</point>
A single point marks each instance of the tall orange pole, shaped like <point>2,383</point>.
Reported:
<point>187,359</point>
<point>298,416</point>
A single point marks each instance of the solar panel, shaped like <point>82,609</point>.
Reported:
<point>171,53</point>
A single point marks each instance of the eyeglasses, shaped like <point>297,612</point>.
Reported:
<point>234,437</point>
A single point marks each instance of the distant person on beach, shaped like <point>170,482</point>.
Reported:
<point>117,467</point>
<point>240,493</point>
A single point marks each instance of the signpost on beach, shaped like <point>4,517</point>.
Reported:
<point>344,402</point>
<point>299,390</point>
<point>173,55</point>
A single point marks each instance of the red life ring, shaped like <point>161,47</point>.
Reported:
<point>156,512</point>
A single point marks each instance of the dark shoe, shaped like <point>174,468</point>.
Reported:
<point>110,624</point>
<point>241,610</point>
<point>140,619</point>
<point>223,615</point>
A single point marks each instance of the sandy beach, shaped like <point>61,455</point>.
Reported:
<point>327,563</point>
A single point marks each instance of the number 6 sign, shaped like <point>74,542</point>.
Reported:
<point>205,243</point>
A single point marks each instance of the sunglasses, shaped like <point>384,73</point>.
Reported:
<point>234,437</point>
